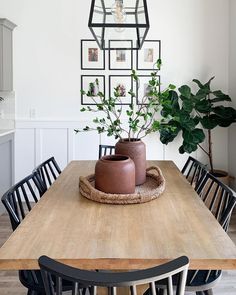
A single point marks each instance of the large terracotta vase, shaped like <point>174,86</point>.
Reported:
<point>115,174</point>
<point>136,150</point>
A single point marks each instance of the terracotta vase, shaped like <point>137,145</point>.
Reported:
<point>136,150</point>
<point>115,174</point>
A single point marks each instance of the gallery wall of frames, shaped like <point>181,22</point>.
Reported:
<point>105,70</point>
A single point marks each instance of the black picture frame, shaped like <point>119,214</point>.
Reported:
<point>93,78</point>
<point>141,52</point>
<point>138,90</point>
<point>82,55</point>
<point>125,50</point>
<point>111,86</point>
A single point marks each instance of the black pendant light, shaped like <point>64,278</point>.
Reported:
<point>119,24</point>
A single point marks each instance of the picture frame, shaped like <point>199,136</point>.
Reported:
<point>142,90</point>
<point>120,58</point>
<point>92,57</point>
<point>125,82</point>
<point>86,80</point>
<point>148,55</point>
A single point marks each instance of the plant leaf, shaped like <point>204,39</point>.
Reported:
<point>220,96</point>
<point>185,91</point>
<point>203,106</point>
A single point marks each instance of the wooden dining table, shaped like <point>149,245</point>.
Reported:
<point>82,233</point>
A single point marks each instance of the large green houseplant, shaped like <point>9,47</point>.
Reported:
<point>196,115</point>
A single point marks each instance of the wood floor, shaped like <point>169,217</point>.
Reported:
<point>10,285</point>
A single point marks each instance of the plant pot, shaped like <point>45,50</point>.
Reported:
<point>223,176</point>
<point>136,150</point>
<point>115,174</point>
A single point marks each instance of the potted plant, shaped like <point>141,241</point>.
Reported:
<point>128,124</point>
<point>196,115</point>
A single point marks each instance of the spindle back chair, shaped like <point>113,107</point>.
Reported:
<point>53,271</point>
<point>20,199</point>
<point>106,150</point>
<point>48,171</point>
<point>220,200</point>
<point>193,170</point>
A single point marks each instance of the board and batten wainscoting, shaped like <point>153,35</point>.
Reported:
<point>37,140</point>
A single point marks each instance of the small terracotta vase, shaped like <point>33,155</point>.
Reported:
<point>115,174</point>
<point>136,150</point>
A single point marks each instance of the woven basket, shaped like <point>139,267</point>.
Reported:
<point>150,190</point>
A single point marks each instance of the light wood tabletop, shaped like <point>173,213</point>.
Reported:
<point>90,235</point>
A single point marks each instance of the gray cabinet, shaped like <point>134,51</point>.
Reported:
<point>6,67</point>
<point>6,164</point>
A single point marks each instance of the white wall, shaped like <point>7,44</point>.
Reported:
<point>232,89</point>
<point>7,110</point>
<point>194,37</point>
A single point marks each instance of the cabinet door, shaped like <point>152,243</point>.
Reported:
<point>6,66</point>
<point>6,165</point>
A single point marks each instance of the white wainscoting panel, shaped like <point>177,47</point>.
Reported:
<point>86,146</point>
<point>35,141</point>
<point>54,142</point>
<point>25,152</point>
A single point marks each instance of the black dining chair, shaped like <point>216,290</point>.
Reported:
<point>106,150</point>
<point>193,170</point>
<point>220,200</point>
<point>53,271</point>
<point>48,171</point>
<point>18,201</point>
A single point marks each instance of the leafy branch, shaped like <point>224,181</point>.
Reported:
<point>141,118</point>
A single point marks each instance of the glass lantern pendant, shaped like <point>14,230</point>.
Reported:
<point>119,24</point>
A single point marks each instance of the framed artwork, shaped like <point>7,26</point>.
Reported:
<point>120,59</point>
<point>92,57</point>
<point>92,84</point>
<point>143,88</point>
<point>148,55</point>
<point>124,84</point>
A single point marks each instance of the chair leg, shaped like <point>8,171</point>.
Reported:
<point>209,292</point>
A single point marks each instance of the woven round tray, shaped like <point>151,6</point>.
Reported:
<point>150,190</point>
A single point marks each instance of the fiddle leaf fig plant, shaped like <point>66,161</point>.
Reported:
<point>195,115</point>
<point>134,121</point>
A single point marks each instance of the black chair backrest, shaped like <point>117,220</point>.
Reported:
<point>193,170</point>
<point>48,171</point>
<point>53,271</point>
<point>18,199</point>
<point>106,150</point>
<point>218,198</point>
